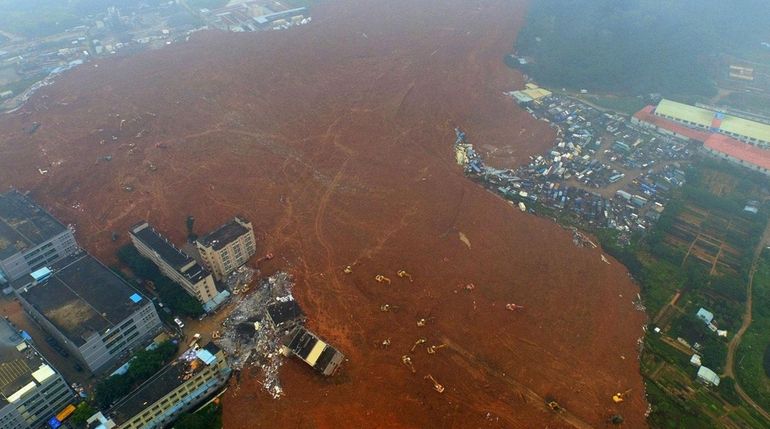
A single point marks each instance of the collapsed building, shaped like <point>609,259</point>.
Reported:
<point>268,325</point>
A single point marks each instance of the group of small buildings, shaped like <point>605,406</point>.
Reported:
<point>741,141</point>
<point>254,15</point>
<point>98,318</point>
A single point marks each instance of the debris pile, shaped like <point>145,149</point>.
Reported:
<point>248,340</point>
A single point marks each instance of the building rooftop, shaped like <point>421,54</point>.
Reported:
<point>174,257</point>
<point>708,375</point>
<point>225,234</point>
<point>281,312</point>
<point>315,352</point>
<point>712,119</point>
<point>685,112</point>
<point>163,382</point>
<point>24,224</point>
<point>164,248</point>
<point>745,127</point>
<point>739,150</point>
<point>81,297</point>
<point>21,366</point>
<point>647,115</point>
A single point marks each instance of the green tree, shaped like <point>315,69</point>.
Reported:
<point>83,411</point>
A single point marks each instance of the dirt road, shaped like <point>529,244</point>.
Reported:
<point>736,341</point>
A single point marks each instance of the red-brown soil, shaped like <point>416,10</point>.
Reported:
<point>335,139</point>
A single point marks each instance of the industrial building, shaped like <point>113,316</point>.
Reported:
<point>30,238</point>
<point>531,94</point>
<point>737,140</point>
<point>173,263</point>
<point>31,391</point>
<point>745,130</point>
<point>315,352</point>
<point>89,309</point>
<point>707,376</point>
<point>178,387</point>
<point>738,153</point>
<point>227,247</point>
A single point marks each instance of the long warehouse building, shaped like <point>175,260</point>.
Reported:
<point>89,309</point>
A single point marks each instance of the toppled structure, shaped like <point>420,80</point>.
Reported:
<point>267,325</point>
<point>313,351</point>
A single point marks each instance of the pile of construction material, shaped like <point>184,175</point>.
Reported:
<point>249,339</point>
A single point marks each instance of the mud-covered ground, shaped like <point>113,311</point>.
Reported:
<point>335,140</point>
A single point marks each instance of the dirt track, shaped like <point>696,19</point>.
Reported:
<point>335,140</point>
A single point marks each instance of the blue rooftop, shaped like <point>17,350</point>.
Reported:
<point>705,315</point>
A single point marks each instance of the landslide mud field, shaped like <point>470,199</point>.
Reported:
<point>335,140</point>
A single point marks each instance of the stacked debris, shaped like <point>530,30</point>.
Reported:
<point>248,340</point>
<point>466,155</point>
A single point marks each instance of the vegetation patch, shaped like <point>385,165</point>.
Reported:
<point>142,366</point>
<point>167,290</point>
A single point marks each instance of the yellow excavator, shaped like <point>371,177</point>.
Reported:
<point>432,349</point>
<point>407,361</point>
<point>620,397</point>
<point>381,279</point>
<point>404,275</point>
<point>417,343</point>
<point>438,387</point>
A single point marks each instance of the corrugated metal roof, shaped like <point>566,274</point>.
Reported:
<point>684,112</point>
<point>708,375</point>
<point>745,127</point>
<point>739,150</point>
<point>691,133</point>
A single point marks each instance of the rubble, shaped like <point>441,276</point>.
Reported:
<point>248,341</point>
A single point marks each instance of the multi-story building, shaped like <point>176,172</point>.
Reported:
<point>227,247</point>
<point>31,390</point>
<point>173,263</point>
<point>178,387</point>
<point>30,238</point>
<point>89,309</point>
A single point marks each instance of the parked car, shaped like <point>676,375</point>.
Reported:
<point>179,322</point>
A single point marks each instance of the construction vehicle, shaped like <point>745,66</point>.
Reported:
<point>387,307</point>
<point>348,269</point>
<point>385,343</point>
<point>432,349</point>
<point>421,322</point>
<point>382,279</point>
<point>417,343</point>
<point>267,257</point>
<point>404,275</point>
<point>406,360</point>
<point>554,406</point>
<point>470,286</point>
<point>436,385</point>
<point>620,397</point>
<point>513,307</point>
